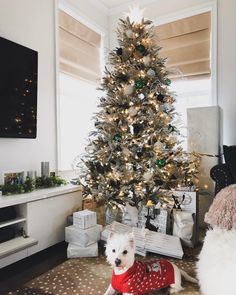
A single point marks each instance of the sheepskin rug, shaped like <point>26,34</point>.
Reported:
<point>216,267</point>
<point>222,212</point>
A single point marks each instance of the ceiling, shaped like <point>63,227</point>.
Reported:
<point>116,6</point>
<point>114,3</point>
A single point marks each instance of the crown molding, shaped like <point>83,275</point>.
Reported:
<point>100,5</point>
<point>171,17</point>
<point>76,13</point>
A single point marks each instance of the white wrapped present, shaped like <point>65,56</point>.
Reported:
<point>74,250</point>
<point>84,219</point>
<point>83,237</point>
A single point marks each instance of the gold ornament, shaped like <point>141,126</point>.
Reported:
<point>128,89</point>
<point>146,60</point>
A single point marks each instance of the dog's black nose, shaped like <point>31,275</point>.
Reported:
<point>117,261</point>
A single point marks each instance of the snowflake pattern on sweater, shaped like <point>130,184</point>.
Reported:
<point>144,277</point>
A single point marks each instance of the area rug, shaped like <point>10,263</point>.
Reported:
<point>89,276</point>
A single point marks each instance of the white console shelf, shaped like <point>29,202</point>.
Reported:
<point>11,200</point>
<point>42,215</point>
<point>15,245</point>
<point>12,221</point>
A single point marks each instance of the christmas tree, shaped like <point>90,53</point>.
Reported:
<point>135,148</point>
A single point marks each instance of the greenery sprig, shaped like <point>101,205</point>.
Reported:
<point>30,185</point>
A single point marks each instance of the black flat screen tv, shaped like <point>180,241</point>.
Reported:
<point>18,90</point>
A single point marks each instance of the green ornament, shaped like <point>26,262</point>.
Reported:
<point>117,137</point>
<point>139,84</point>
<point>167,82</point>
<point>161,163</point>
<point>141,48</point>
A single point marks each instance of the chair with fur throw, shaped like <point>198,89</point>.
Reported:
<point>217,260</point>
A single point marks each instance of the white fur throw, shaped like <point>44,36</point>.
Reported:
<point>222,212</point>
<point>217,263</point>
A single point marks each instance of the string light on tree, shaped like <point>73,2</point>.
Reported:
<point>135,147</point>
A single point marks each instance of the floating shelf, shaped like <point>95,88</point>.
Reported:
<point>12,221</point>
<point>15,245</point>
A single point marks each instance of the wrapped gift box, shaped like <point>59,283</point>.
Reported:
<point>83,237</point>
<point>74,250</point>
<point>84,219</point>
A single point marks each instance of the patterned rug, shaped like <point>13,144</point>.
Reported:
<point>90,276</point>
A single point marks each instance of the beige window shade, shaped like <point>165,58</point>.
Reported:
<point>79,49</point>
<point>186,44</point>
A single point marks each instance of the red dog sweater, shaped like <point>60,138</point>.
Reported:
<point>144,277</point>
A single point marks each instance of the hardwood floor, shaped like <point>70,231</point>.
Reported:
<point>17,274</point>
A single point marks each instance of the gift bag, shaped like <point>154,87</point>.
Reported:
<point>112,213</point>
<point>154,219</point>
<point>188,202</point>
<point>129,214</point>
<point>98,207</point>
<point>183,224</point>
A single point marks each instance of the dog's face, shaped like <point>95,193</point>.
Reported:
<point>120,250</point>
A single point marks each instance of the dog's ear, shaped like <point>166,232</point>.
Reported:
<point>131,240</point>
<point>110,236</point>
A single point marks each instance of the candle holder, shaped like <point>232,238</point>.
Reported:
<point>32,175</point>
<point>44,169</point>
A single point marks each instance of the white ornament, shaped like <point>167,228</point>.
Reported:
<point>129,33</point>
<point>131,129</point>
<point>132,111</point>
<point>151,73</point>
<point>146,60</point>
<point>88,177</point>
<point>141,96</point>
<point>147,175</point>
<point>128,89</point>
<point>158,146</point>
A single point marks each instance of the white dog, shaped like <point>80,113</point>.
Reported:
<point>132,277</point>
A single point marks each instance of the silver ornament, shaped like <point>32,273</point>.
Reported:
<point>167,106</point>
<point>129,33</point>
<point>151,73</point>
<point>147,176</point>
<point>132,111</point>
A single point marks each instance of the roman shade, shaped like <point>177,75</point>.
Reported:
<point>186,44</point>
<point>79,49</point>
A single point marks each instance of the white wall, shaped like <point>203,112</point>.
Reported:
<point>226,52</point>
<point>227,68</point>
<point>31,23</point>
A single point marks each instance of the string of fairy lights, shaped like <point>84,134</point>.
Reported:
<point>135,148</point>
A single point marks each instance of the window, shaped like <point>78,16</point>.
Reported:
<point>187,45</point>
<point>78,101</point>
<point>191,93</point>
<point>79,76</point>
